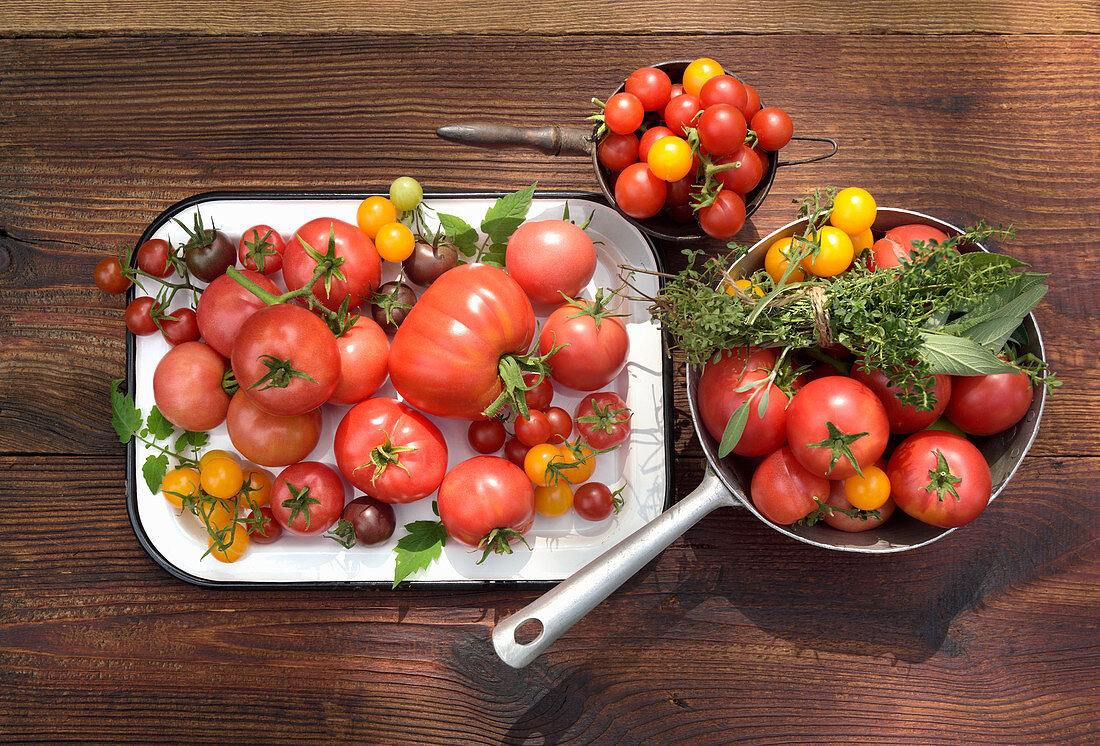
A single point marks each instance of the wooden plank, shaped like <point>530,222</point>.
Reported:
<point>544,18</point>
<point>722,637</point>
<point>99,135</point>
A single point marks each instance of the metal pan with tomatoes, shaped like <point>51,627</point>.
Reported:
<point>646,168</point>
<point>559,545</point>
<point>728,477</point>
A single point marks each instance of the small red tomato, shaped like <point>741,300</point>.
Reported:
<point>532,429</point>
<point>152,257</point>
<point>623,113</point>
<point>653,87</point>
<point>179,326</point>
<point>773,128</point>
<point>109,278</point>
<point>486,436</point>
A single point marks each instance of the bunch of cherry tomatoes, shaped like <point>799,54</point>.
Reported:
<point>848,449</point>
<point>272,349</point>
<point>693,148</point>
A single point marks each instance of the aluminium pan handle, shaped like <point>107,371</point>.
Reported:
<point>565,605</point>
<point>551,139</point>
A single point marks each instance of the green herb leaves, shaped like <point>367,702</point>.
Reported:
<point>417,549</point>
<point>155,431</point>
<point>500,222</point>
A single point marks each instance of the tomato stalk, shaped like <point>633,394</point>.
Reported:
<point>339,321</point>
<point>499,541</point>
<point>279,374</point>
<point>839,443</point>
<point>381,457</point>
<point>942,480</point>
<point>823,510</point>
<point>511,369</point>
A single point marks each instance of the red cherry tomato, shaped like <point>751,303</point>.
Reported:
<point>743,177</point>
<point>724,89</point>
<point>639,193</point>
<point>265,530</point>
<point>722,129</point>
<point>680,113</point>
<point>541,392</point>
<point>595,501</point>
<point>152,257</point>
<point>486,436</point>
<point>603,420</point>
<point>532,429</point>
<point>752,103</point>
<point>616,152</point>
<point>623,113</point>
<point>139,316</point>
<point>724,217</point>
<point>261,249</point>
<point>651,86</point>
<point>516,452</point>
<point>108,276</point>
<point>843,522</point>
<point>773,128</point>
<point>179,326</point>
<point>561,424</point>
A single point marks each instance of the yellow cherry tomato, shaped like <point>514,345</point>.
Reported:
<point>394,242</point>
<point>229,542</point>
<point>554,500</point>
<point>698,73</point>
<point>373,213</point>
<point>179,484</point>
<point>835,256</point>
<point>578,462</point>
<point>853,210</point>
<point>213,454</point>
<point>862,241</point>
<point>745,286</point>
<point>256,488</point>
<point>778,259</point>
<point>869,492</point>
<point>221,477</point>
<point>537,464</point>
<point>670,158</point>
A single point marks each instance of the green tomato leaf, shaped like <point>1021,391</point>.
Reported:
<point>154,470</point>
<point>734,429</point>
<point>125,417</point>
<point>460,233</point>
<point>507,214</point>
<point>958,356</point>
<point>418,548</point>
<point>159,426</point>
<point>193,440</point>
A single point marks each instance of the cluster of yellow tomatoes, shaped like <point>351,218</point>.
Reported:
<point>847,234</point>
<point>218,489</point>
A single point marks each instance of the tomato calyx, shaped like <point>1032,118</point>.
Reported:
<point>343,533</point>
<point>382,456</point>
<point>941,479</point>
<point>328,264</point>
<point>279,374</point>
<point>392,303</point>
<point>604,419</point>
<point>839,443</point>
<point>299,502</point>
<point>229,382</point>
<point>258,249</point>
<point>823,510</point>
<point>499,540</point>
<point>511,368</point>
<point>596,308</point>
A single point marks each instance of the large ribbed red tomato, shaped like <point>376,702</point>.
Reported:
<point>446,356</point>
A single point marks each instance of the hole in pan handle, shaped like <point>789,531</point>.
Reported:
<point>551,139</point>
<point>811,159</point>
<point>560,608</point>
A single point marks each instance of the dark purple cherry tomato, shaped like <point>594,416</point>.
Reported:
<point>372,520</point>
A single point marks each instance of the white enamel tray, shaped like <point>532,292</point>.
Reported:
<point>559,546</point>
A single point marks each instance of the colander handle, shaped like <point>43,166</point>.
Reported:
<point>811,159</point>
<point>551,139</point>
<point>562,607</point>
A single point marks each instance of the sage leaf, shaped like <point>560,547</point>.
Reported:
<point>958,356</point>
<point>735,428</point>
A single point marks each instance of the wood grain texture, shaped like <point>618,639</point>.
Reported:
<point>101,135</point>
<point>733,634</point>
<point>545,18</point>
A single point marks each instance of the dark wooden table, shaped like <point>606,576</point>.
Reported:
<point>110,113</point>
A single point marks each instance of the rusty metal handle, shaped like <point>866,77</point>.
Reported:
<point>552,139</point>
